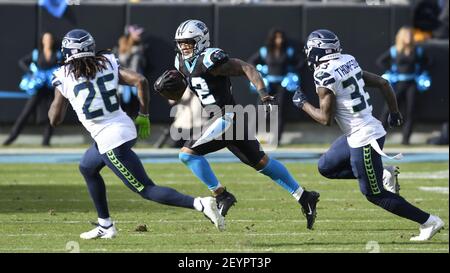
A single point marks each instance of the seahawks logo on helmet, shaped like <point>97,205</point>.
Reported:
<point>322,45</point>
<point>77,43</point>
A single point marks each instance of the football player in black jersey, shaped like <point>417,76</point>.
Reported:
<point>208,71</point>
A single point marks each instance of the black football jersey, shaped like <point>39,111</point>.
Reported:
<point>210,89</point>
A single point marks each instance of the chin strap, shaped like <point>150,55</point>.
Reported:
<point>330,57</point>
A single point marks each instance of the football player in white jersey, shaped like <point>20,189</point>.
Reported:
<point>340,83</point>
<point>88,81</point>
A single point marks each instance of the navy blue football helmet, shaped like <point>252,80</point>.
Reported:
<point>77,43</point>
<point>321,45</point>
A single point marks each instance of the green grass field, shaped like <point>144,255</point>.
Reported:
<point>44,208</point>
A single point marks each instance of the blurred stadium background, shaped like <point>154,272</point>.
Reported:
<point>33,198</point>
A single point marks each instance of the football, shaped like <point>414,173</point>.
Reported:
<point>171,85</point>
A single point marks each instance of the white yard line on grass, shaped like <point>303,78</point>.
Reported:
<point>424,175</point>
<point>200,221</point>
<point>280,200</point>
<point>443,190</point>
<point>217,234</point>
<point>244,250</point>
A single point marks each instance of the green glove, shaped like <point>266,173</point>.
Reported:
<point>143,124</point>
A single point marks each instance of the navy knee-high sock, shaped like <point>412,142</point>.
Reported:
<point>128,167</point>
<point>97,191</point>
<point>399,206</point>
<point>167,196</point>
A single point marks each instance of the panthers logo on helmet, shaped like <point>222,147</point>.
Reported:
<point>202,26</point>
<point>193,30</point>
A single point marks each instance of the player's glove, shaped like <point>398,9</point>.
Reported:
<point>395,119</point>
<point>143,124</point>
<point>166,81</point>
<point>299,98</point>
<point>268,102</point>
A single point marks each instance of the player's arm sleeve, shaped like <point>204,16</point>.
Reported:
<point>326,79</point>
<point>214,57</point>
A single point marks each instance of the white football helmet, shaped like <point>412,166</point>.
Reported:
<point>193,30</point>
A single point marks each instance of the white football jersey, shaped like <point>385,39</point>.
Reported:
<point>353,114</point>
<point>97,105</point>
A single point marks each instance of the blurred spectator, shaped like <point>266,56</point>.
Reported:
<point>38,66</point>
<point>442,31</point>
<point>279,64</point>
<point>130,52</point>
<point>407,63</point>
<point>442,139</point>
<point>425,19</point>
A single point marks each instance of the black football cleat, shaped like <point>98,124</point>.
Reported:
<point>309,202</point>
<point>225,201</point>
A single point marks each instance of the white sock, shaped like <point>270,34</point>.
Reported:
<point>106,222</point>
<point>430,220</point>
<point>298,193</point>
<point>386,174</point>
<point>197,204</point>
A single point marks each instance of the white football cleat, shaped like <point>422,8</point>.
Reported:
<point>390,179</point>
<point>100,232</point>
<point>211,211</point>
<point>427,231</point>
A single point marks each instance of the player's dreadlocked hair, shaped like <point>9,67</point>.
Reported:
<point>88,66</point>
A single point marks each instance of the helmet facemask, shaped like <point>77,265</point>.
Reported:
<point>76,44</point>
<point>192,31</point>
<point>192,43</point>
<point>320,49</point>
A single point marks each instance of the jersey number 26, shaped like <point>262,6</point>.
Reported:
<point>106,96</point>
